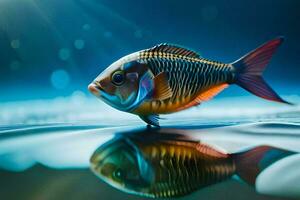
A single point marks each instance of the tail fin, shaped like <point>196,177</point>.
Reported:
<point>250,163</point>
<point>250,67</point>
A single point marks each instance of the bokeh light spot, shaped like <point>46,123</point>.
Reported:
<point>15,44</point>
<point>86,27</point>
<point>64,54</point>
<point>79,44</point>
<point>60,79</point>
<point>107,34</point>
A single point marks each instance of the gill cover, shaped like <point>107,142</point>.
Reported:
<point>145,168</point>
<point>145,88</point>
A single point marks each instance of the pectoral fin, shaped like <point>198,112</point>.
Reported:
<point>151,119</point>
<point>162,89</point>
<point>146,86</point>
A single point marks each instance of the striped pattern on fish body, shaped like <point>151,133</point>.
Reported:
<point>181,167</point>
<point>188,77</point>
<point>168,78</point>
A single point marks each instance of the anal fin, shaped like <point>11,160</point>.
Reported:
<point>206,95</point>
<point>210,93</point>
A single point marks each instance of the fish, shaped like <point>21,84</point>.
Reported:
<point>155,165</point>
<point>168,78</point>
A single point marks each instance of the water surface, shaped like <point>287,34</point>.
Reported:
<point>46,154</point>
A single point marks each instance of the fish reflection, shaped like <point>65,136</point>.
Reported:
<point>158,164</point>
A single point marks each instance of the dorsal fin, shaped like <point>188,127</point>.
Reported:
<point>175,49</point>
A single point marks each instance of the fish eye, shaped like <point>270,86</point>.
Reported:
<point>119,174</point>
<point>118,78</point>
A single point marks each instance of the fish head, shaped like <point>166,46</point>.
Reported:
<point>124,84</point>
<point>116,163</point>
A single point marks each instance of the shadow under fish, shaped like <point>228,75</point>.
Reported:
<point>159,164</point>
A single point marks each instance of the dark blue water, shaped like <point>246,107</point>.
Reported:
<point>52,48</point>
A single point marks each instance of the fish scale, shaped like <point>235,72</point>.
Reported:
<point>195,74</point>
<point>181,169</point>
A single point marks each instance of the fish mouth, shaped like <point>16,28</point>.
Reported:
<point>95,88</point>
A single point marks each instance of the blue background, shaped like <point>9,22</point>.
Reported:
<point>51,48</point>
